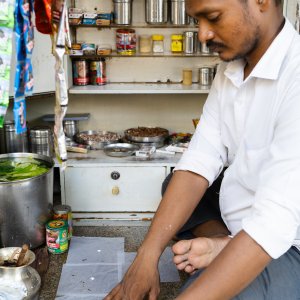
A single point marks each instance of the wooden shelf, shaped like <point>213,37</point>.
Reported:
<point>140,88</point>
<point>138,25</point>
<point>165,54</point>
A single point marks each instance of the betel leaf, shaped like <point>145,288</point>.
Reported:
<point>13,169</point>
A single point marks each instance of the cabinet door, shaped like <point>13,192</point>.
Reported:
<point>92,189</point>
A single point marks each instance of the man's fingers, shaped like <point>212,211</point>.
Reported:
<point>189,269</point>
<point>177,259</point>
<point>182,265</point>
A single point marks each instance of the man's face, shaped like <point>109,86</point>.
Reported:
<point>227,26</point>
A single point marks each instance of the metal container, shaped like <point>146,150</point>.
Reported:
<point>156,11</point>
<point>122,12</point>
<point>98,72</point>
<point>25,205</point>
<point>204,49</point>
<point>206,75</point>
<point>70,128</point>
<point>19,281</point>
<point>14,142</point>
<point>2,141</point>
<point>178,13</point>
<point>190,42</point>
<point>41,140</point>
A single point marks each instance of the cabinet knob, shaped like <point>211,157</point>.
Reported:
<point>115,175</point>
<point>115,190</point>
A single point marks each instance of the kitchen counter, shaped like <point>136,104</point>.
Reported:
<point>133,237</point>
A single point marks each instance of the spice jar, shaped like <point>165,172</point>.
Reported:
<point>157,43</point>
<point>145,43</point>
<point>176,43</point>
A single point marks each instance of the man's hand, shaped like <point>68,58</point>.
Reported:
<point>197,253</point>
<point>141,280</point>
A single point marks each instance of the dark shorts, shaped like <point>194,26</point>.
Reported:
<point>207,209</point>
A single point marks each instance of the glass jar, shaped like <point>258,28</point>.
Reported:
<point>145,43</point>
<point>157,43</point>
<point>176,43</point>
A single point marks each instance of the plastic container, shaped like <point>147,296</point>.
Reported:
<point>176,43</point>
<point>145,44</point>
<point>157,43</point>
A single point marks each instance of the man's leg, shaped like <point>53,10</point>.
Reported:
<point>206,219</point>
<point>278,281</point>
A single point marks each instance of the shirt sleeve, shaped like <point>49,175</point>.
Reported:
<point>275,215</point>
<point>206,155</point>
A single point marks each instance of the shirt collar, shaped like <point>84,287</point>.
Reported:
<point>269,65</point>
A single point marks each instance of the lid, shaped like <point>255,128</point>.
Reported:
<point>56,224</point>
<point>61,209</point>
<point>189,33</point>
<point>125,31</point>
<point>157,37</point>
<point>40,131</point>
<point>176,37</point>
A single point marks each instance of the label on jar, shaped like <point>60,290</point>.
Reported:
<point>57,236</point>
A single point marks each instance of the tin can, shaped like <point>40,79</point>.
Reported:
<point>64,212</point>
<point>206,75</point>
<point>126,41</point>
<point>98,72</point>
<point>88,49</point>
<point>57,236</point>
<point>80,72</point>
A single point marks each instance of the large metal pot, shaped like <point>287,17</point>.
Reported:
<point>25,205</point>
<point>18,282</point>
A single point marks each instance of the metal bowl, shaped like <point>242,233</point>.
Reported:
<point>147,139</point>
<point>120,149</point>
<point>94,144</point>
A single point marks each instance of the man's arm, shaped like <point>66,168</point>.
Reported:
<point>240,262</point>
<point>180,199</point>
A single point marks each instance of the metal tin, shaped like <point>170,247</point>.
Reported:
<point>156,11</point>
<point>178,13</point>
<point>98,72</point>
<point>57,236</point>
<point>190,42</point>
<point>206,75</point>
<point>14,142</point>
<point>88,49</point>
<point>64,212</point>
<point>70,128</point>
<point>126,41</point>
<point>122,12</point>
<point>41,140</point>
<point>204,48</point>
<point>80,72</point>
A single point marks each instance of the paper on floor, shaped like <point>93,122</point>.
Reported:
<point>166,267</point>
<point>87,281</point>
<point>86,250</point>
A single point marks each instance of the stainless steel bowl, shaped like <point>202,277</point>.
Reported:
<point>120,149</point>
<point>91,139</point>
<point>147,139</point>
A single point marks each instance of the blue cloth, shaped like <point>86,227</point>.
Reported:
<point>280,280</point>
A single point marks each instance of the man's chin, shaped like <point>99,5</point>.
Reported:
<point>228,57</point>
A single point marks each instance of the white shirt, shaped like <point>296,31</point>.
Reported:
<point>253,126</point>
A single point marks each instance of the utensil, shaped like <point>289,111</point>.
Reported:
<point>21,258</point>
<point>146,134</point>
<point>96,139</point>
<point>120,149</point>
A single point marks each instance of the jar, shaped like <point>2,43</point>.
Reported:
<point>157,43</point>
<point>126,41</point>
<point>156,11</point>
<point>145,43</point>
<point>178,13</point>
<point>176,43</point>
<point>122,12</point>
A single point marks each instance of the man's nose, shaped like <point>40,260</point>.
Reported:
<point>205,32</point>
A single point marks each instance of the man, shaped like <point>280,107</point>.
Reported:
<point>250,122</point>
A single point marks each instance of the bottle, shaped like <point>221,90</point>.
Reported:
<point>176,43</point>
<point>157,43</point>
<point>145,43</point>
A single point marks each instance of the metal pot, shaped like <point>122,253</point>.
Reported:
<point>25,205</point>
<point>156,11</point>
<point>18,282</point>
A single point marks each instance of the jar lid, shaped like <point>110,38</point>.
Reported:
<point>176,37</point>
<point>157,37</point>
<point>61,209</point>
